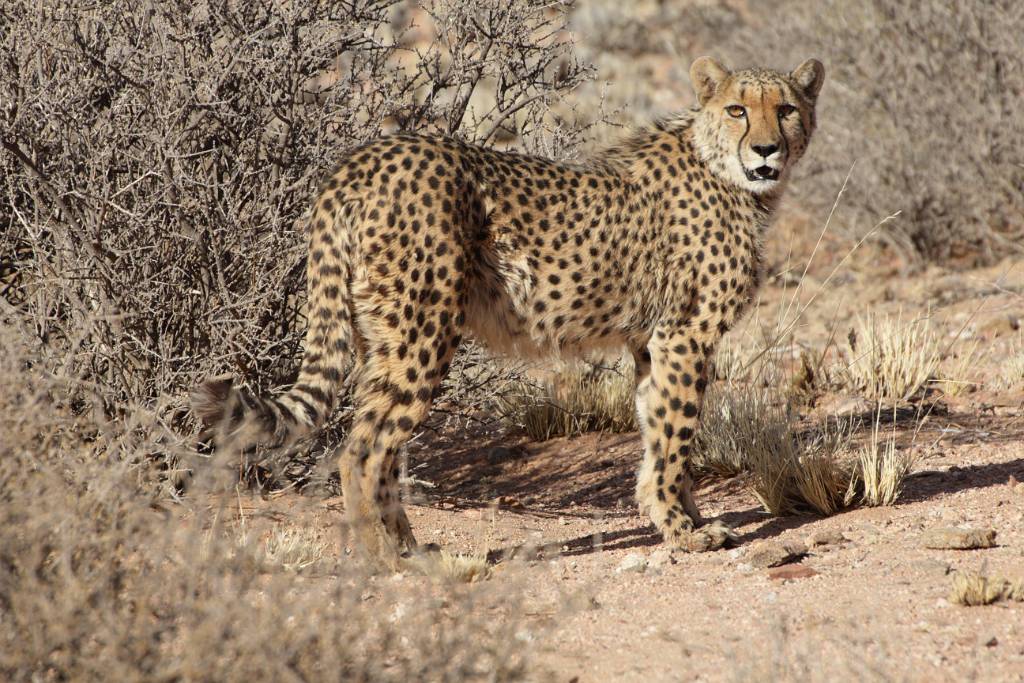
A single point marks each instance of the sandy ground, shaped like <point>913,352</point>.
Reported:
<point>876,606</point>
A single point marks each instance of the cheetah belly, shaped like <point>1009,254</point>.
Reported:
<point>503,315</point>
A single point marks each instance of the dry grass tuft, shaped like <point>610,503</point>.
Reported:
<point>753,431</point>
<point>807,473</point>
<point>974,588</point>
<point>294,549</point>
<point>1011,375</point>
<point>891,359</point>
<point>794,470</point>
<point>820,475</point>
<point>573,402</point>
<point>737,428</point>
<point>881,471</point>
<point>731,363</point>
<point>954,380</point>
<point>451,567</point>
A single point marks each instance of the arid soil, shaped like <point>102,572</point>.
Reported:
<point>600,599</point>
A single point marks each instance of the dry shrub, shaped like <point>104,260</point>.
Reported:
<point>974,588</point>
<point>573,402</point>
<point>156,161</point>
<point>891,359</point>
<point>921,95</point>
<point>102,579</point>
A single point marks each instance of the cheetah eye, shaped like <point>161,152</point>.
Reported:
<point>785,110</point>
<point>736,111</point>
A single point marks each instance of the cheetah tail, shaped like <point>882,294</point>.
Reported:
<point>243,419</point>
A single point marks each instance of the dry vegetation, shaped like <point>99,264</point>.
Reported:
<point>572,402</point>
<point>974,588</point>
<point>156,163</point>
<point>891,360</point>
<point>1012,374</point>
<point>101,579</point>
<point>789,466</point>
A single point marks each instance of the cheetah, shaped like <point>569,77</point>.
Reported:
<point>653,246</point>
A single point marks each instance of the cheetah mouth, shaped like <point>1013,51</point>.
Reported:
<point>762,173</point>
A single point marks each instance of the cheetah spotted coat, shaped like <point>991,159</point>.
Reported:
<point>654,246</point>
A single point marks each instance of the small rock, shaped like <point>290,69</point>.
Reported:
<point>510,502</point>
<point>791,572</point>
<point>954,538</point>
<point>846,405</point>
<point>932,567</point>
<point>825,537</point>
<point>773,553</point>
<point>992,642</point>
<point>661,559</point>
<point>634,562</point>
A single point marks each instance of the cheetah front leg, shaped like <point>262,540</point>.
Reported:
<point>668,406</point>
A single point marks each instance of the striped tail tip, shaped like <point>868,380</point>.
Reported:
<point>210,400</point>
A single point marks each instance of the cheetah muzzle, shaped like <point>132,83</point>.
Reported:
<point>653,245</point>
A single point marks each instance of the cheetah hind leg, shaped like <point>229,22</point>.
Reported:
<point>395,520</point>
<point>393,397</point>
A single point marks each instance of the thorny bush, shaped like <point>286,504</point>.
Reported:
<point>157,161</point>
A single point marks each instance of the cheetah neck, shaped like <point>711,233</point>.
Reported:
<point>633,153</point>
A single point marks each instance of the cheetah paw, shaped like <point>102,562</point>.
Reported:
<point>708,537</point>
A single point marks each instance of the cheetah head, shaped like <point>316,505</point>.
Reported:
<point>754,125</point>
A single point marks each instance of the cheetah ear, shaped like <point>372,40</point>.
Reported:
<point>808,77</point>
<point>706,75</point>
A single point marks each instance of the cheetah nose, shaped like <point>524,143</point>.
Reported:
<point>765,150</point>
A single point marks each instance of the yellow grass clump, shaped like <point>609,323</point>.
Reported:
<point>793,469</point>
<point>571,403</point>
<point>882,468</point>
<point>974,588</point>
<point>891,359</point>
<point>451,567</point>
